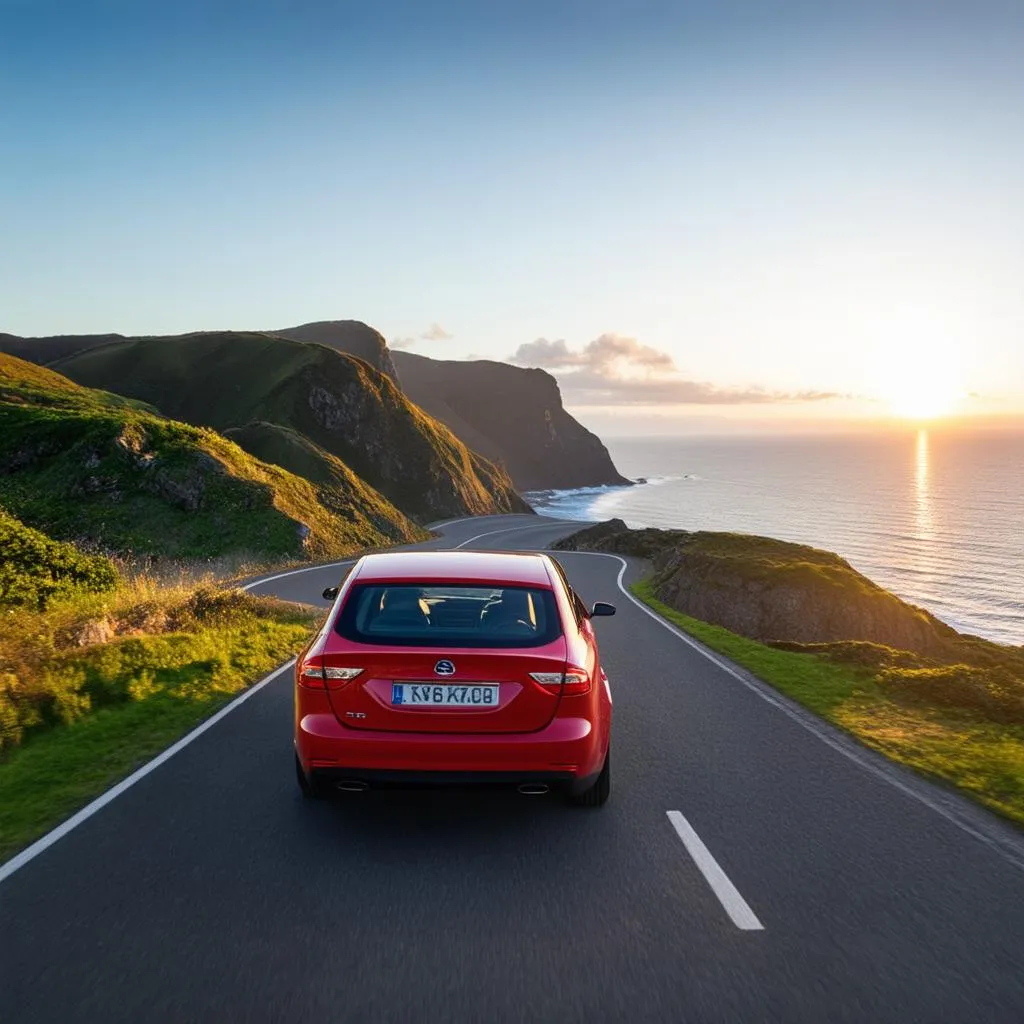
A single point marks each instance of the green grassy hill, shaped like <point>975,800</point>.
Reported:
<point>46,350</point>
<point>86,465</point>
<point>345,407</point>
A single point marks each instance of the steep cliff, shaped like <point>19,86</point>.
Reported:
<point>340,403</point>
<point>511,415</point>
<point>350,336</point>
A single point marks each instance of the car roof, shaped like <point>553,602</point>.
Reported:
<point>515,567</point>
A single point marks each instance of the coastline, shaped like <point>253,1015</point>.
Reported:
<point>573,502</point>
<point>594,504</point>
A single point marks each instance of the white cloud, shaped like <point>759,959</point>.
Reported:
<point>602,354</point>
<point>435,332</point>
<point>617,370</point>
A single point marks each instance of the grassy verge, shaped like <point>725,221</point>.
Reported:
<point>984,759</point>
<point>95,686</point>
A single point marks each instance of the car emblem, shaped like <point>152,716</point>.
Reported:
<point>444,668</point>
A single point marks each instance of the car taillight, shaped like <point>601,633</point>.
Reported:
<point>314,673</point>
<point>571,682</point>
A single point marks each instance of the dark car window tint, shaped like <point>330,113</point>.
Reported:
<point>450,615</point>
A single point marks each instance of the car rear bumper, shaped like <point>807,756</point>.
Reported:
<point>379,778</point>
<point>568,752</point>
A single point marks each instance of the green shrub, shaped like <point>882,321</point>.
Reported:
<point>34,569</point>
<point>994,694</point>
<point>859,653</point>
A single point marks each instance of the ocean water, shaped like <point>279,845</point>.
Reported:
<point>935,516</point>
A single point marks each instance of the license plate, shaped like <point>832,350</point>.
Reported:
<point>443,695</point>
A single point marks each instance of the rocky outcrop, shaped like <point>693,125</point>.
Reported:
<point>350,336</point>
<point>411,458</point>
<point>339,489</point>
<point>770,590</point>
<point>511,415</point>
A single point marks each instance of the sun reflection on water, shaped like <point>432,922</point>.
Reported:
<point>922,488</point>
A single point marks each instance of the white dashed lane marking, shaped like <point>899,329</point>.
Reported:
<point>728,895</point>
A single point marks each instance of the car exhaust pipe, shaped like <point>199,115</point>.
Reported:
<point>353,785</point>
<point>533,788</point>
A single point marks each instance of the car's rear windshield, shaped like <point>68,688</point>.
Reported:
<point>449,615</point>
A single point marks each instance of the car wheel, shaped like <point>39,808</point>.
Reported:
<point>597,795</point>
<point>312,788</point>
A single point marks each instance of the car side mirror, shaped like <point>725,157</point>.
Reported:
<point>603,608</point>
<point>330,593</point>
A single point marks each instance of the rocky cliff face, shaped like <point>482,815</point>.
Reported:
<point>770,590</point>
<point>350,336</point>
<point>341,404</point>
<point>338,488</point>
<point>513,416</point>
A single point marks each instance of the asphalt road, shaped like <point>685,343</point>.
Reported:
<point>210,891</point>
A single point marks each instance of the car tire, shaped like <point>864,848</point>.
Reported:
<point>311,788</point>
<point>597,795</point>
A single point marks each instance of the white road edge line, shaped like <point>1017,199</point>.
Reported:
<point>446,522</point>
<point>466,519</point>
<point>512,529</point>
<point>33,851</point>
<point>806,720</point>
<point>351,561</point>
<point>295,572</point>
<point>728,895</point>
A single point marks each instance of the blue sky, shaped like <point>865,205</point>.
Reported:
<point>783,200</point>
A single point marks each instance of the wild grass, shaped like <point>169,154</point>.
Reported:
<point>955,723</point>
<point>91,650</point>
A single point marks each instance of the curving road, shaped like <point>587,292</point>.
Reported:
<point>798,879</point>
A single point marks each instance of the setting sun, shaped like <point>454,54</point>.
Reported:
<point>923,400</point>
<point>920,364</point>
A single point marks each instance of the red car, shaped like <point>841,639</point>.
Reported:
<point>455,667</point>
